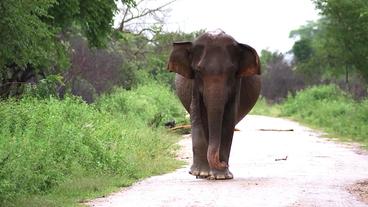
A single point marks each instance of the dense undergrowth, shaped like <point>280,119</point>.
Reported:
<point>151,104</point>
<point>58,152</point>
<point>327,108</point>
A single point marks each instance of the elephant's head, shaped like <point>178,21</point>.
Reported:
<point>216,63</point>
<point>214,53</point>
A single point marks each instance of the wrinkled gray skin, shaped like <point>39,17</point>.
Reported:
<point>218,83</point>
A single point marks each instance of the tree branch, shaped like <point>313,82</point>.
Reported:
<point>145,12</point>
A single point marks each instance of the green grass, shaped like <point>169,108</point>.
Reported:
<point>74,191</point>
<point>151,104</point>
<point>326,108</point>
<point>263,108</point>
<point>58,153</point>
<point>330,109</point>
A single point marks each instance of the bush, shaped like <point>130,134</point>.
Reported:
<point>46,142</point>
<point>153,104</point>
<point>330,108</point>
<point>311,99</point>
<point>264,108</point>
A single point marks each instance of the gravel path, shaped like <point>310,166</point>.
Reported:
<point>272,166</point>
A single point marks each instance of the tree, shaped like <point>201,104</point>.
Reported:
<point>317,53</point>
<point>139,27</point>
<point>148,56</point>
<point>347,26</point>
<point>32,35</point>
<point>278,78</point>
<point>94,71</point>
<point>143,18</point>
<point>131,57</point>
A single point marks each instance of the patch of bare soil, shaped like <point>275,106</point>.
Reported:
<point>360,189</point>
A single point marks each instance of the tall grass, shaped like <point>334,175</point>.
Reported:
<point>151,104</point>
<point>331,109</point>
<point>324,107</point>
<point>264,108</point>
<point>51,147</point>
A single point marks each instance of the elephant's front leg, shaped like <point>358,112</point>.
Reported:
<point>226,142</point>
<point>200,167</point>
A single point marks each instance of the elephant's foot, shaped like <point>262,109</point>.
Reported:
<point>224,174</point>
<point>200,171</point>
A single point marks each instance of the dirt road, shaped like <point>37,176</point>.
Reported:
<point>271,168</point>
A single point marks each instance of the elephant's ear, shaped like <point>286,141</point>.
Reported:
<point>249,61</point>
<point>180,59</point>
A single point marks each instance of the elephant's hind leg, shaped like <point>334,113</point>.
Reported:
<point>249,93</point>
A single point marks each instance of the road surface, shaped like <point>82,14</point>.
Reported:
<point>272,166</point>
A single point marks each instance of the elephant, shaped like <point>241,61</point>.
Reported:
<point>218,82</point>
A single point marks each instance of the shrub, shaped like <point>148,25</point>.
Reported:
<point>152,103</point>
<point>330,108</point>
<point>45,142</point>
<point>262,107</point>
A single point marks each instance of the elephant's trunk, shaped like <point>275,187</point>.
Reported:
<point>215,104</point>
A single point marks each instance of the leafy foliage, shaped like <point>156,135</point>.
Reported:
<point>33,35</point>
<point>347,25</point>
<point>45,142</point>
<point>324,107</point>
<point>331,109</point>
<point>317,54</point>
<point>25,36</point>
<point>266,109</point>
<point>148,56</point>
<point>153,104</point>
<point>336,44</point>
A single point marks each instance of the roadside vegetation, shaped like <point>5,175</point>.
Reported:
<point>326,108</point>
<point>83,104</point>
<point>266,109</point>
<point>331,109</point>
<point>324,84</point>
<point>64,151</point>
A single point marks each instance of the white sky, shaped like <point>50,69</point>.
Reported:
<point>263,24</point>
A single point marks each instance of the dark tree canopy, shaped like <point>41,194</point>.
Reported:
<point>30,30</point>
<point>32,34</point>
